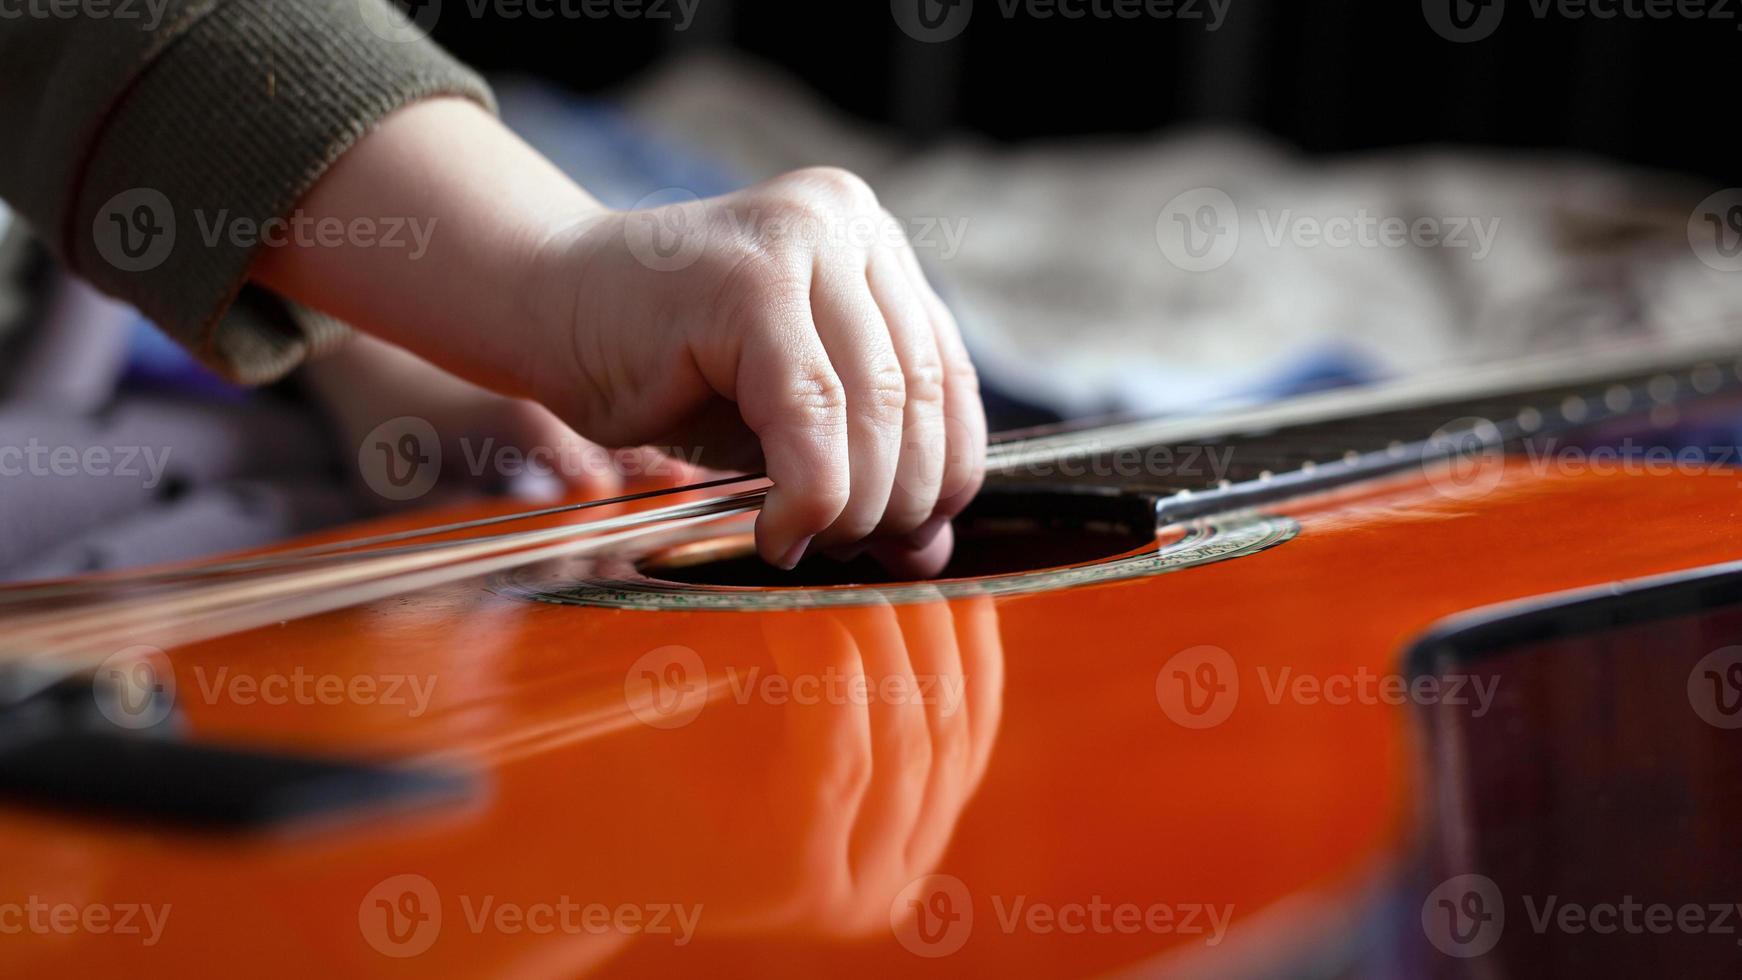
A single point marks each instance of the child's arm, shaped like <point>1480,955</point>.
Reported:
<point>787,323</point>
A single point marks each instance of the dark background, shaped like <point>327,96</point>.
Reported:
<point>1324,75</point>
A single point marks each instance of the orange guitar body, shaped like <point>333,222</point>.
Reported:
<point>1112,776</point>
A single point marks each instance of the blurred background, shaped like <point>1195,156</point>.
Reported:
<point>1327,77</point>
<point>1557,165</point>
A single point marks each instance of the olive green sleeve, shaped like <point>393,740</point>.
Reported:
<point>147,145</point>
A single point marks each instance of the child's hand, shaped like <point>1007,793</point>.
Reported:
<point>786,326</point>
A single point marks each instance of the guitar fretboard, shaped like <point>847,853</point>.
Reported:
<point>1235,459</point>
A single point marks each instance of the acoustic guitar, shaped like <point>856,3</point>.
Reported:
<point>1439,678</point>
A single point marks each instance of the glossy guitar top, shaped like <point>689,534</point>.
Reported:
<point>1218,763</point>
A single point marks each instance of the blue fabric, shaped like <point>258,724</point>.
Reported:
<point>157,363</point>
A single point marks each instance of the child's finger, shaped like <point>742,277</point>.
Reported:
<point>852,331</point>
<point>789,395</point>
<point>920,472</point>
<point>964,413</point>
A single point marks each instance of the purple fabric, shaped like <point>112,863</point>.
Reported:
<point>77,493</point>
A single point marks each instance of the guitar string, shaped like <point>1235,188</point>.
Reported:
<point>1029,447</point>
<point>353,548</point>
<point>336,550</point>
<point>54,625</point>
<point>42,670</point>
<point>445,551</point>
<point>52,632</point>
<point>198,604</point>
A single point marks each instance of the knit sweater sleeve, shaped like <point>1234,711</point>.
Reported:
<point>150,141</point>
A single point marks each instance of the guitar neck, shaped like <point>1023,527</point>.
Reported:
<point>1228,459</point>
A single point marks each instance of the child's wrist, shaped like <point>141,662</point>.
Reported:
<point>469,300</point>
<point>556,297</point>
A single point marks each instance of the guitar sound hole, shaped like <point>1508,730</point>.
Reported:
<point>1000,534</point>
